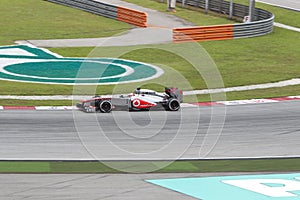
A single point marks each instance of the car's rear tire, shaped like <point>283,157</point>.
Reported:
<point>173,105</point>
<point>105,106</point>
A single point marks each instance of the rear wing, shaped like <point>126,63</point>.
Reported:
<point>174,93</point>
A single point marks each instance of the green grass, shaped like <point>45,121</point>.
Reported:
<point>255,165</point>
<point>38,19</point>
<point>268,58</point>
<point>250,94</point>
<point>284,16</point>
<point>17,88</point>
<point>196,166</point>
<point>24,167</point>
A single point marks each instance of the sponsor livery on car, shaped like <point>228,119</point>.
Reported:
<point>141,99</point>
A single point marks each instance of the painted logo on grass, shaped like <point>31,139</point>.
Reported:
<point>31,64</point>
<point>246,187</point>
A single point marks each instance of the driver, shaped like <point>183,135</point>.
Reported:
<point>138,91</point>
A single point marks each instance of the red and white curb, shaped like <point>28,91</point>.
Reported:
<point>184,105</point>
<point>38,108</point>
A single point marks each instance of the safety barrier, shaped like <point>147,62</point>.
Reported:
<point>262,22</point>
<point>111,11</point>
<point>132,16</point>
<point>203,33</point>
<point>252,29</point>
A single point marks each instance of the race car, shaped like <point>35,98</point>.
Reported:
<point>140,99</point>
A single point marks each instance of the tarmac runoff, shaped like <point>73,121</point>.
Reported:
<point>175,186</point>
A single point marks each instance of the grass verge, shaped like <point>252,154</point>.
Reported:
<point>37,19</point>
<point>252,94</point>
<point>193,166</point>
<point>270,58</point>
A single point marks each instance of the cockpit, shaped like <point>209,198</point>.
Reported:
<point>144,91</point>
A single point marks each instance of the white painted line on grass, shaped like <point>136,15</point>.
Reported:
<point>286,27</point>
<point>294,81</point>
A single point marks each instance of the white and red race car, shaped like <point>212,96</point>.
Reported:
<point>141,99</point>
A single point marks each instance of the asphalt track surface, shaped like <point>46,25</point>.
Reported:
<point>270,129</point>
<point>241,131</point>
<point>88,186</point>
<point>264,128</point>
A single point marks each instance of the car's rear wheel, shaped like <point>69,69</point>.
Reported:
<point>173,105</point>
<point>105,106</point>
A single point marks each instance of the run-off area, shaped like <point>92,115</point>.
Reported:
<point>246,187</point>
